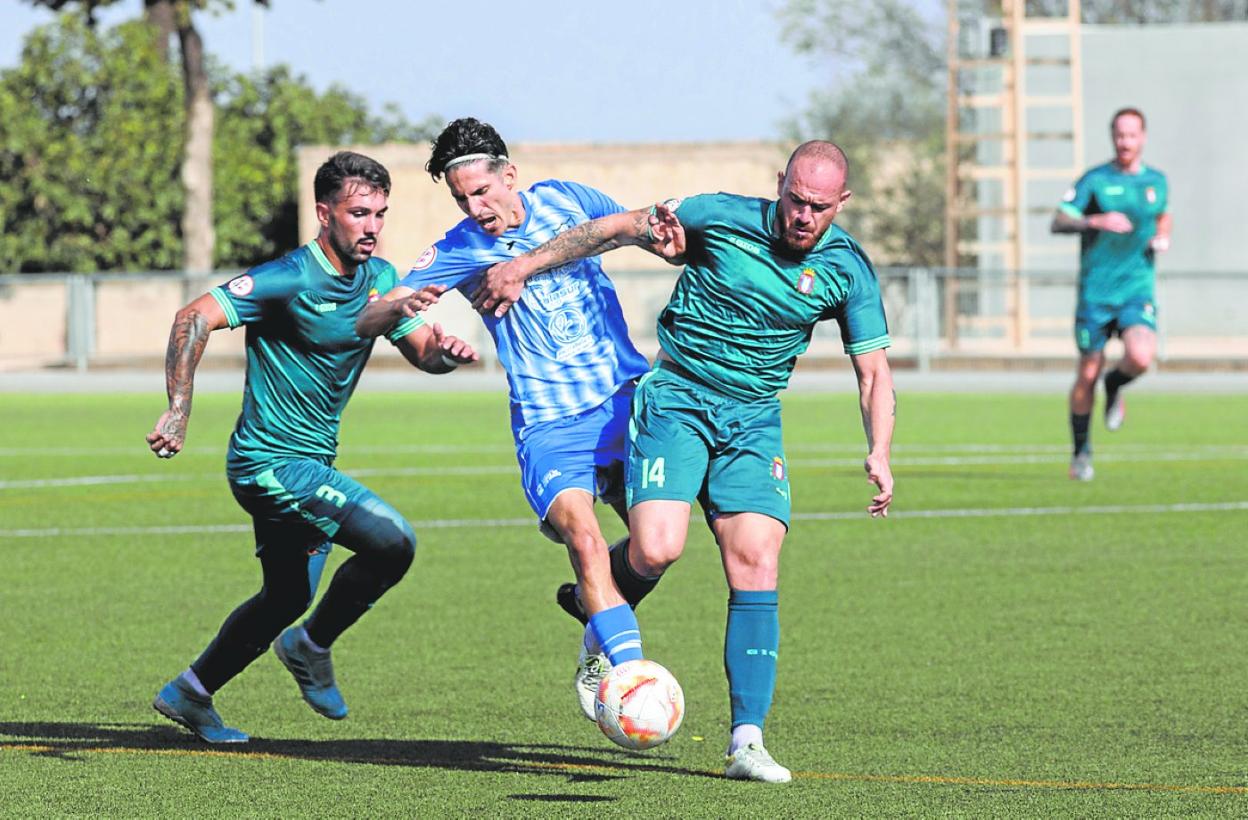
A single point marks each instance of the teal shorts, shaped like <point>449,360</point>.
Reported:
<point>688,441</point>
<point>1095,324</point>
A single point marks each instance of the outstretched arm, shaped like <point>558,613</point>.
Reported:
<point>428,348</point>
<point>878,403</point>
<point>398,303</point>
<point>187,339</point>
<point>656,230</point>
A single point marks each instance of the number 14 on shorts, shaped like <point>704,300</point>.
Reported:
<point>652,473</point>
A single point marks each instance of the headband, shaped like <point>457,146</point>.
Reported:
<point>473,158</point>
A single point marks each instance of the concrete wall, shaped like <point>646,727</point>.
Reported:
<point>1191,82</point>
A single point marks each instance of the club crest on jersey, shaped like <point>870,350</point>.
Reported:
<point>777,468</point>
<point>241,285</point>
<point>373,295</point>
<point>426,258</point>
<point>806,282</point>
<point>1150,194</point>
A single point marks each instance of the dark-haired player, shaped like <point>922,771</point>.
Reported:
<point>1118,209</point>
<point>303,362</point>
<point>570,366</point>
<point>706,420</point>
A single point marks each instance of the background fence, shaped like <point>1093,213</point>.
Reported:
<point>939,319</point>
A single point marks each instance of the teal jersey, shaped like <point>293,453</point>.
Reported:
<point>744,307</point>
<point>303,357</point>
<point>1117,268</point>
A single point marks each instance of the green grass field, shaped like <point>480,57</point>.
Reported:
<point>1007,643</point>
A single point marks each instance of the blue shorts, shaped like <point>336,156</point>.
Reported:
<point>581,452</point>
<point>1096,323</point>
<point>304,504</point>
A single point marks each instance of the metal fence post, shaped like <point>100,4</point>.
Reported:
<point>80,319</point>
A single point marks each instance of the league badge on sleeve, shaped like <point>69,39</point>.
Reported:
<point>241,285</point>
<point>426,258</point>
<point>806,282</point>
<point>777,468</point>
<point>373,295</point>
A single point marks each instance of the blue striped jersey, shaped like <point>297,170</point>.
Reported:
<point>564,344</point>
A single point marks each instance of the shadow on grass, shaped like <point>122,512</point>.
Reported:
<point>69,741</point>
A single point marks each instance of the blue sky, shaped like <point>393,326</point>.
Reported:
<point>539,70</point>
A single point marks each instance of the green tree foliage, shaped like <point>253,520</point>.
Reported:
<point>91,139</point>
<point>885,107</point>
<point>260,122</point>
<point>89,152</point>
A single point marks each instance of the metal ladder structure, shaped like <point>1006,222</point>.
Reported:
<point>1000,116</point>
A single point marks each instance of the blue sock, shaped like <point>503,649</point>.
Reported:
<point>750,644</point>
<point>617,632</point>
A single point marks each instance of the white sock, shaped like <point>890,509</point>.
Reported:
<point>190,677</point>
<point>744,735</point>
<point>308,640</point>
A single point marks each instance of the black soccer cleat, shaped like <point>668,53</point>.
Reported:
<point>565,596</point>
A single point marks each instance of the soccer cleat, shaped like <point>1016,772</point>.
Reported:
<point>590,670</point>
<point>1115,410</point>
<point>313,671</point>
<point>183,705</point>
<point>565,596</point>
<point>1081,467</point>
<point>751,762</point>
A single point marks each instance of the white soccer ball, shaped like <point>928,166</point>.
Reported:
<point>639,705</point>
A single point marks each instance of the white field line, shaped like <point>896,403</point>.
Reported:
<point>1228,453</point>
<point>467,523</point>
<point>468,449</point>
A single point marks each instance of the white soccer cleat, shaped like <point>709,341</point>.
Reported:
<point>752,762</point>
<point>1115,411</point>
<point>1081,467</point>
<point>590,670</point>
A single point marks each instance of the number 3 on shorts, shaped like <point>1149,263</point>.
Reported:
<point>652,473</point>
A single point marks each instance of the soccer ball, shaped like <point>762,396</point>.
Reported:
<point>639,704</point>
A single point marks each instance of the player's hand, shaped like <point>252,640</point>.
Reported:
<point>1113,221</point>
<point>420,300</point>
<point>454,351</point>
<point>167,437</point>
<point>668,233</point>
<point>1159,243</point>
<point>881,475</point>
<point>500,288</point>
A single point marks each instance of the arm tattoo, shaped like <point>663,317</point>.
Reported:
<point>187,340</point>
<point>585,240</point>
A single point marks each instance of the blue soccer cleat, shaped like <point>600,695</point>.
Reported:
<point>313,671</point>
<point>182,704</point>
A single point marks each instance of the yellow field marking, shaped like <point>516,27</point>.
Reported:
<point>936,780</point>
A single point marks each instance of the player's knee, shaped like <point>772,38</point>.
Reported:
<point>284,604</point>
<point>651,558</point>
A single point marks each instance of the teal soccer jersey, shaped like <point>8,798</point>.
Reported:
<point>1117,268</point>
<point>303,357</point>
<point>744,308</point>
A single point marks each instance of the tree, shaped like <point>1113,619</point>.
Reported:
<point>168,17</point>
<point>88,166</point>
<point>886,109</point>
<point>262,122</point>
<point>91,145</point>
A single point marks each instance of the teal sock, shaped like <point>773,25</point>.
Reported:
<point>751,641</point>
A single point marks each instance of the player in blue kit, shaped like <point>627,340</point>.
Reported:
<point>759,274</point>
<point>303,362</point>
<point>1120,211</point>
<point>570,366</point>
